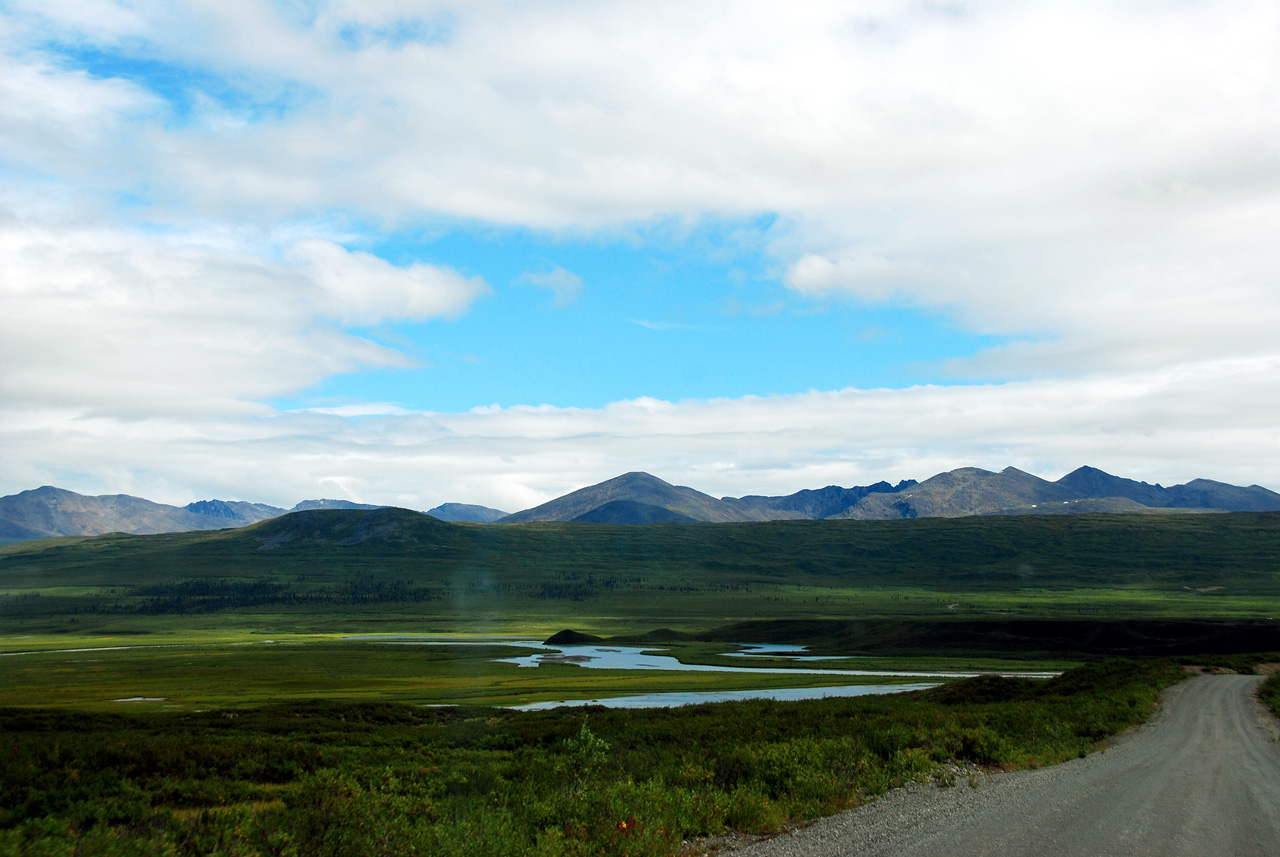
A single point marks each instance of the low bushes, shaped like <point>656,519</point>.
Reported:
<point>334,779</point>
<point>1270,693</point>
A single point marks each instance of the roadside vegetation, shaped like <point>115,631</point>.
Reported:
<point>332,778</point>
<point>1270,693</point>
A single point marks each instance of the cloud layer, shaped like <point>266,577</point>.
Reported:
<point>1170,426</point>
<point>190,193</point>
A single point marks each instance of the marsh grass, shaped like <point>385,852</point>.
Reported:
<point>227,675</point>
<point>332,778</point>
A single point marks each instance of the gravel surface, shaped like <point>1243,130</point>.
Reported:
<point>1201,777</point>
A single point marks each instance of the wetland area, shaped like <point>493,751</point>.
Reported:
<point>502,671</point>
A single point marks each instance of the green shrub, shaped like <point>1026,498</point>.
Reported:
<point>1270,693</point>
<point>332,779</point>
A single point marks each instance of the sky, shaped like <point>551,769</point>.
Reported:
<point>490,252</point>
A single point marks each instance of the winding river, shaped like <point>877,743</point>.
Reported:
<point>644,658</point>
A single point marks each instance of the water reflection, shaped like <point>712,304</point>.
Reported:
<point>635,658</point>
<point>784,650</point>
<point>675,699</point>
<point>645,658</point>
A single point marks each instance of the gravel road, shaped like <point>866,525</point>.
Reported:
<point>1201,777</point>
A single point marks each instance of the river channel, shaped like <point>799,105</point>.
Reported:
<point>675,699</point>
<point>645,658</point>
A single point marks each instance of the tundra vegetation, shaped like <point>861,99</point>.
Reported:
<point>346,778</point>
<point>259,731</point>
<point>1270,693</point>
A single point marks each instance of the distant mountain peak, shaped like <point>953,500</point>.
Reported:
<point>638,497</point>
<point>212,508</point>
<point>639,488</point>
<point>637,477</point>
<point>1087,469</point>
<point>49,511</point>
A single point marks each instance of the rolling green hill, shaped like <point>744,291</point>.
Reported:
<point>338,569</point>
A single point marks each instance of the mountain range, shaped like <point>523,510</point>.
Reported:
<point>641,498</point>
<point>49,511</point>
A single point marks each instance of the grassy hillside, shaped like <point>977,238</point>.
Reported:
<point>337,570</point>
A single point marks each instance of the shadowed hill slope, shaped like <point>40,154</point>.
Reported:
<point>631,513</point>
<point>459,512</point>
<point>321,528</point>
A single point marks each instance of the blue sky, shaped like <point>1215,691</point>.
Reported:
<point>675,316</point>
<point>489,252</point>
<point>670,309</point>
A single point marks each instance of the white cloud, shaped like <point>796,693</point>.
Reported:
<point>59,126</point>
<point>664,325</point>
<point>1096,181</point>
<point>1167,426</point>
<point>364,289</point>
<point>565,286</point>
<point>106,21</point>
<point>115,323</point>
<point>871,278</point>
<point>1035,170</point>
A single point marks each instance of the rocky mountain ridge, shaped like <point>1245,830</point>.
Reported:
<point>48,511</point>
<point>972,491</point>
<point>638,498</point>
<point>641,498</point>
